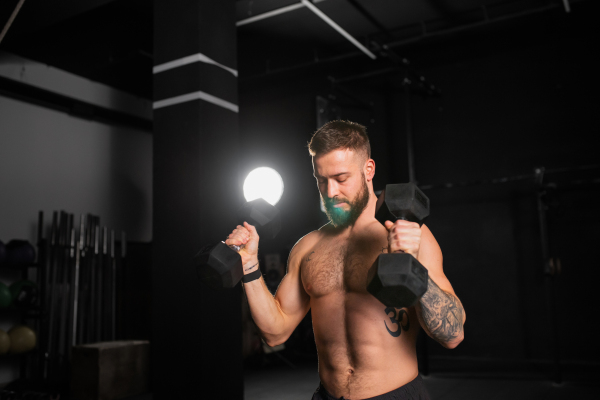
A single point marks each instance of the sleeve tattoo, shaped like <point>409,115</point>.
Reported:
<point>442,313</point>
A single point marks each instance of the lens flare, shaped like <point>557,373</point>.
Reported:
<point>263,182</point>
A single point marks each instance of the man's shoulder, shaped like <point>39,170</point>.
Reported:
<point>308,241</point>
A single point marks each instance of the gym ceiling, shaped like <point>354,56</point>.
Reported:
<point>110,41</point>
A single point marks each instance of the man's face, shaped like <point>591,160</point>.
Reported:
<point>342,185</point>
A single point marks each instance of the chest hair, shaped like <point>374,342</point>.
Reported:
<point>334,265</point>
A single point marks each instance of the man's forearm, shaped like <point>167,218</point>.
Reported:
<point>442,315</point>
<point>265,310</point>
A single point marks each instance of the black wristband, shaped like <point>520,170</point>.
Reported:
<point>252,276</point>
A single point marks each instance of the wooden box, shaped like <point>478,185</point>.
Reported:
<point>110,370</point>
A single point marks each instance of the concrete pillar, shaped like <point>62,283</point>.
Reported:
<point>196,336</point>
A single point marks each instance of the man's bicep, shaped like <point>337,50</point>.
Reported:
<point>432,259</point>
<point>291,297</point>
<point>430,255</point>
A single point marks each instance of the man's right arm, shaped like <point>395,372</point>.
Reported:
<point>275,316</point>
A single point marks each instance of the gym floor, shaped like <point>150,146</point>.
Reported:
<point>277,381</point>
<point>285,383</point>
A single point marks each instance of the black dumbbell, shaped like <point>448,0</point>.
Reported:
<point>219,265</point>
<point>399,280</point>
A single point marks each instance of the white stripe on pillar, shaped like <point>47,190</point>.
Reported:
<point>189,60</point>
<point>199,95</point>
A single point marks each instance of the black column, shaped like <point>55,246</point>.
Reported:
<point>196,336</point>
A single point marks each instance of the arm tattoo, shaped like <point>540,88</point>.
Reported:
<point>248,269</point>
<point>442,313</point>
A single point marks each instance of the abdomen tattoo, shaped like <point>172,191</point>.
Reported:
<point>397,318</point>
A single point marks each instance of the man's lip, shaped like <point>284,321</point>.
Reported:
<point>339,204</point>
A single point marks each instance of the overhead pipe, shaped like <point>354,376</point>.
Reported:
<point>308,4</point>
<point>371,18</point>
<point>11,19</point>
<point>272,13</point>
<point>405,41</point>
<point>338,28</point>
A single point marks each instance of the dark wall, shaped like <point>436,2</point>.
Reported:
<point>504,114</point>
<point>514,98</point>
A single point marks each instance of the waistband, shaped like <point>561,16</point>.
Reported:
<point>412,390</point>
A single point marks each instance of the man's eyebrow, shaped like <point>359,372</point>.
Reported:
<point>341,173</point>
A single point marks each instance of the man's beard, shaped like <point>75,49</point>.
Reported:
<point>341,218</point>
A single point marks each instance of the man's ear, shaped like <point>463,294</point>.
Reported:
<point>370,169</point>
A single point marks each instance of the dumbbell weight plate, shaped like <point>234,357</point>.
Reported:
<point>263,216</point>
<point>402,201</point>
<point>218,266</point>
<point>397,280</point>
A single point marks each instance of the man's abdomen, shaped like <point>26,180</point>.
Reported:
<point>364,349</point>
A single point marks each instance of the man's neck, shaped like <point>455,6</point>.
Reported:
<point>366,217</point>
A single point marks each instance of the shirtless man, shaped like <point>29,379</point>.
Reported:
<point>365,349</point>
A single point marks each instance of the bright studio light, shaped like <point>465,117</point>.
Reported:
<point>263,182</point>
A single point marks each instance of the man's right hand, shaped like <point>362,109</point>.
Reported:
<point>246,235</point>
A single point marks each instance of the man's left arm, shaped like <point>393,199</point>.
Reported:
<point>440,312</point>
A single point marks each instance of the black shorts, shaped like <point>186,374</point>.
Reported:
<point>413,390</point>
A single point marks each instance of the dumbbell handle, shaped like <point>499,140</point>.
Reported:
<point>406,219</point>
<point>235,246</point>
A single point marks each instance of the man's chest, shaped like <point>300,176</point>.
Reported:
<point>340,265</point>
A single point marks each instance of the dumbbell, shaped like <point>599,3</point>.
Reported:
<point>220,265</point>
<point>398,279</point>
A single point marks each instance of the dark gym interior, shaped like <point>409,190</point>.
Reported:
<point>127,128</point>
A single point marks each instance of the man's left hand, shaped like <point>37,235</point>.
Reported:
<point>403,237</point>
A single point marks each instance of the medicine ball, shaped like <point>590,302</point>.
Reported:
<point>5,296</point>
<point>2,252</point>
<point>19,253</point>
<point>22,339</point>
<point>4,342</point>
<point>24,293</point>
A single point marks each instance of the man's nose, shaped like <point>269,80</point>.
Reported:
<point>332,190</point>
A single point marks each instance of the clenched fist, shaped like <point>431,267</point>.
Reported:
<point>247,236</point>
<point>403,237</point>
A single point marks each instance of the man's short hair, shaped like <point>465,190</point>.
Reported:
<point>336,135</point>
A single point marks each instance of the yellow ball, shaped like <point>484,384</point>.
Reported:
<point>4,342</point>
<point>22,339</point>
